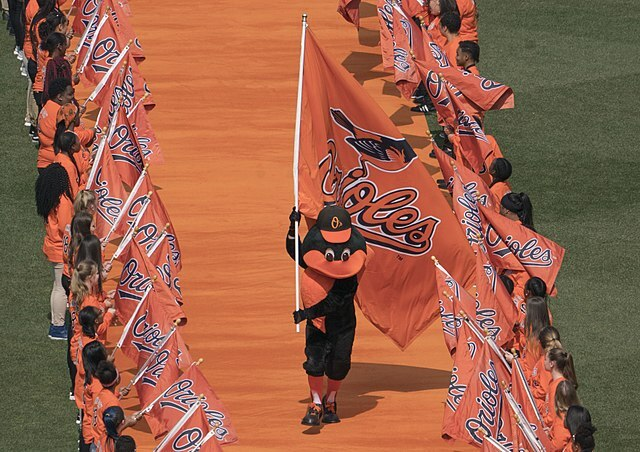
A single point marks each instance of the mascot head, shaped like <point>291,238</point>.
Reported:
<point>332,246</point>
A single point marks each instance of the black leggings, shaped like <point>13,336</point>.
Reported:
<point>328,353</point>
<point>16,16</point>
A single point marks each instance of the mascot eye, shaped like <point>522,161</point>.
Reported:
<point>346,254</point>
<point>329,255</point>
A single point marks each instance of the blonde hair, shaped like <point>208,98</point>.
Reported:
<point>79,285</point>
<point>84,200</point>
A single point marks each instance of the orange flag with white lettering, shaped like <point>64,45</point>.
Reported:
<point>352,154</point>
<point>538,255</point>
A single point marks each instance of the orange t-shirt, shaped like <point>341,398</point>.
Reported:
<point>89,300</point>
<point>72,172</point>
<point>499,189</point>
<point>55,225</point>
<point>81,341</point>
<point>539,382</point>
<point>549,406</point>
<point>434,31</point>
<point>560,435</point>
<point>468,20</point>
<point>104,399</point>
<point>42,59</point>
<point>29,13</point>
<point>46,133</point>
<point>473,69</point>
<point>90,392</point>
<point>451,48</point>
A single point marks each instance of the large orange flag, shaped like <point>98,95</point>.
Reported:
<point>483,406</point>
<point>538,255</point>
<point>350,10</point>
<point>352,154</point>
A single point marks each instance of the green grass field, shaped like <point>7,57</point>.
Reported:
<point>575,69</point>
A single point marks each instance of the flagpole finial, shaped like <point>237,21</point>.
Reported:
<point>435,260</point>
<point>199,361</point>
<point>304,18</point>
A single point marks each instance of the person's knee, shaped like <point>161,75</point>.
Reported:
<point>314,367</point>
<point>338,369</point>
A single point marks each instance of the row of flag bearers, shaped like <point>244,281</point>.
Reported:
<point>103,215</point>
<point>483,269</point>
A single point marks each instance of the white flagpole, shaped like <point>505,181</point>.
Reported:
<point>179,424</point>
<point>92,44</point>
<point>103,142</point>
<point>498,351</point>
<point>296,156</point>
<point>126,205</point>
<point>106,77</point>
<point>495,443</point>
<point>149,407</point>
<point>522,421</point>
<point>142,369</point>
<point>85,33</point>
<point>518,368</point>
<point>127,327</point>
<point>206,438</point>
<point>158,241</point>
<point>132,229</point>
<point>142,99</point>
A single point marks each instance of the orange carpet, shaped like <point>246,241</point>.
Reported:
<point>224,76</point>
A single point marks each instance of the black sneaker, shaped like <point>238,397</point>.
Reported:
<point>330,415</point>
<point>314,413</point>
<point>424,108</point>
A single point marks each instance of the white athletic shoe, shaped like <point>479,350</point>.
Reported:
<point>20,55</point>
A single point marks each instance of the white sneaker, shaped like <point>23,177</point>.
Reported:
<point>20,55</point>
<point>27,123</point>
<point>16,50</point>
<point>71,396</point>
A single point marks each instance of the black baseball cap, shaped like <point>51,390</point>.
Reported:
<point>334,223</point>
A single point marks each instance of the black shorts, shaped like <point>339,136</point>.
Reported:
<point>328,353</point>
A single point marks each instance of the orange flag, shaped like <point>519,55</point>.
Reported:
<point>452,299</point>
<point>104,179</point>
<point>538,255</point>
<point>385,17</point>
<point>483,93</point>
<point>444,161</point>
<point>350,10</point>
<point>178,398</point>
<point>483,406</point>
<point>189,434</point>
<point>467,346</point>
<point>522,394</point>
<point>352,154</point>
<point>467,192</point>
<point>495,312</point>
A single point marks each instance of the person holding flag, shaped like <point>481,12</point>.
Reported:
<point>333,253</point>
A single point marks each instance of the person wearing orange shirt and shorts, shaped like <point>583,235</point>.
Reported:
<point>54,204</point>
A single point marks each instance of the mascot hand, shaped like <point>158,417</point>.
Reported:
<point>294,217</point>
<point>299,316</point>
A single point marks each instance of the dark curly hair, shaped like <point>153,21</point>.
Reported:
<point>51,185</point>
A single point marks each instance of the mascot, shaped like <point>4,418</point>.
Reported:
<point>332,254</point>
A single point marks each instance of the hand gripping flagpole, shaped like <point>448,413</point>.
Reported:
<point>296,156</point>
<point>159,347</point>
<point>127,327</point>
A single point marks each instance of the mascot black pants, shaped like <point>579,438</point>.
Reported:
<point>328,353</point>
